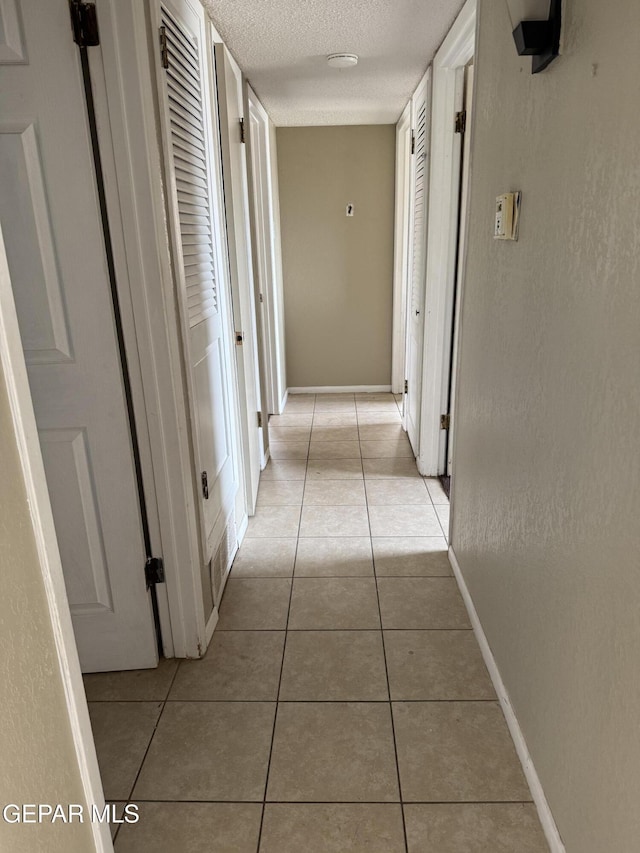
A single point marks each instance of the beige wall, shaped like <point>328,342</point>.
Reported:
<point>338,270</point>
<point>38,759</point>
<point>547,475</point>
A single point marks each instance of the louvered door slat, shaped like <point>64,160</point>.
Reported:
<point>182,117</point>
<point>419,208</point>
<point>180,37</point>
<point>188,136</point>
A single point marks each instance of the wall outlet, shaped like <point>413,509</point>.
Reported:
<point>350,210</point>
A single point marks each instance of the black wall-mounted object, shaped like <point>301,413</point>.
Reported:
<point>540,39</point>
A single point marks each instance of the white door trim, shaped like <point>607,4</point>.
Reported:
<point>448,83</point>
<point>231,107</point>
<point>401,250</point>
<point>265,219</point>
<point>151,323</point>
<point>24,423</point>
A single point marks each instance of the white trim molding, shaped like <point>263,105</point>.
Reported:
<point>456,51</point>
<point>535,786</point>
<point>152,331</point>
<point>341,389</point>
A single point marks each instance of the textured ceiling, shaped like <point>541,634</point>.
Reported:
<point>281,45</point>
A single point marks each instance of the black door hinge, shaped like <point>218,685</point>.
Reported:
<point>259,420</point>
<point>204,479</point>
<point>242,133</point>
<point>154,571</point>
<point>461,121</point>
<point>413,142</point>
<point>164,48</point>
<point>84,23</point>
<point>406,386</point>
<point>445,421</point>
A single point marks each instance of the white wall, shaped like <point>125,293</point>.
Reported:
<point>546,492</point>
<point>38,761</point>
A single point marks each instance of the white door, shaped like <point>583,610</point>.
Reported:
<point>264,241</point>
<point>232,122</point>
<point>193,175</point>
<point>462,241</point>
<point>404,159</point>
<point>50,214</point>
<point>420,110</point>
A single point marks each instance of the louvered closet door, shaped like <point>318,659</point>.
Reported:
<point>192,173</point>
<point>418,245</point>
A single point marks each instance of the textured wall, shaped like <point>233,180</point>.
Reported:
<point>547,475</point>
<point>38,760</point>
<point>338,270</point>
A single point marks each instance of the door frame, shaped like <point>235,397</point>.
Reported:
<point>401,250</point>
<point>462,243</point>
<point>124,95</point>
<point>14,369</point>
<point>237,216</point>
<point>266,238</point>
<point>455,52</point>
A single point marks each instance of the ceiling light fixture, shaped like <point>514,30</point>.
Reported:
<point>536,30</point>
<point>342,60</point>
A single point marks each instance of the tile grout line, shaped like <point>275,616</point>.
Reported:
<point>146,752</point>
<point>288,701</point>
<point>350,802</point>
<point>386,670</point>
<point>284,647</point>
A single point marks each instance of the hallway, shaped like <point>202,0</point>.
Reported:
<point>343,670</point>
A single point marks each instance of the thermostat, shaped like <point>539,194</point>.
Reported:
<point>507,216</point>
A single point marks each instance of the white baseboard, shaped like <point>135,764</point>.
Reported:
<point>341,389</point>
<point>283,402</point>
<point>241,528</point>
<point>210,627</point>
<point>544,812</point>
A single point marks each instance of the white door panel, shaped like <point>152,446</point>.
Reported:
<point>51,219</point>
<point>192,172</point>
<point>231,105</point>
<point>420,122</point>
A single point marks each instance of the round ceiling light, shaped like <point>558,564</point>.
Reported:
<point>342,60</point>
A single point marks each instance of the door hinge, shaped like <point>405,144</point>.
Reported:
<point>164,48</point>
<point>260,419</point>
<point>154,571</point>
<point>413,142</point>
<point>242,134</point>
<point>461,121</point>
<point>445,421</point>
<point>261,297</point>
<point>84,22</point>
<point>239,339</point>
<point>204,479</point>
<point>406,386</point>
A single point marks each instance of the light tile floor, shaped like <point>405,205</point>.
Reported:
<point>343,705</point>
